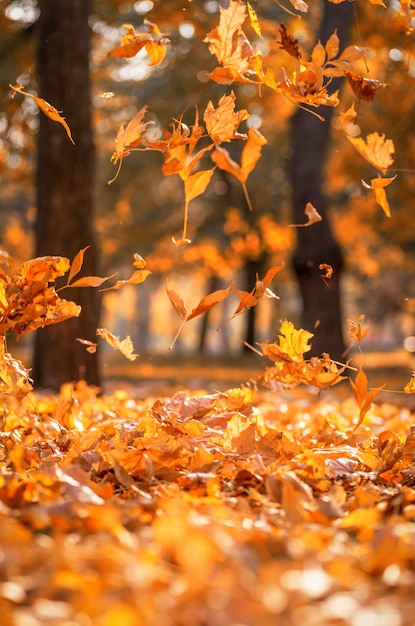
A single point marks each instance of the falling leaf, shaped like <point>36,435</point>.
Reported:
<point>48,109</point>
<point>154,43</point>
<point>410,386</point>
<point>129,137</point>
<point>253,18</point>
<point>125,346</point>
<point>327,269</point>
<point>288,43</point>
<point>222,123</point>
<point>378,186</point>
<point>364,88</point>
<point>376,150</point>
<point>209,301</point>
<point>357,331</point>
<point>250,156</point>
<point>364,398</point>
<point>312,214</point>
<point>91,347</point>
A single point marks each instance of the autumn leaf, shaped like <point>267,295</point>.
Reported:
<point>364,88</point>
<point>312,214</point>
<point>129,137</point>
<point>91,347</point>
<point>410,386</point>
<point>14,377</point>
<point>378,186</point>
<point>209,301</point>
<point>364,398</point>
<point>85,281</point>
<point>376,150</point>
<point>154,43</point>
<point>251,153</point>
<point>125,346</point>
<point>222,123</point>
<point>288,43</point>
<point>232,49</point>
<point>205,304</point>
<point>253,18</point>
<point>48,109</point>
<point>261,289</point>
<point>357,330</point>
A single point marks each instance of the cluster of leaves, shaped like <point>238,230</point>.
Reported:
<point>213,508</point>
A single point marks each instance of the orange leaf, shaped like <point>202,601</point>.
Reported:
<point>410,386</point>
<point>90,281</point>
<point>124,346</point>
<point>312,214</point>
<point>136,278</point>
<point>177,303</point>
<point>222,123</point>
<point>377,185</point>
<point>129,137</point>
<point>376,150</point>
<point>196,184</point>
<point>76,264</point>
<point>364,398</point>
<point>209,301</point>
<point>46,108</point>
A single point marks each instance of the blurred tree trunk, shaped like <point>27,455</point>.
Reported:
<point>322,311</point>
<point>65,183</point>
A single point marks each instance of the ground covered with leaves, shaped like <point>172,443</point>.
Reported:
<point>245,507</point>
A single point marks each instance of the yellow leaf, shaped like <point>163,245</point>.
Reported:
<point>376,150</point>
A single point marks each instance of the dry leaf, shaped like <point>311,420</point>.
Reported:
<point>378,186</point>
<point>125,346</point>
<point>312,214</point>
<point>46,108</point>
<point>364,88</point>
<point>376,150</point>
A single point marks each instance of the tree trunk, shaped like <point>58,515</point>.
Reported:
<point>317,244</point>
<point>65,183</point>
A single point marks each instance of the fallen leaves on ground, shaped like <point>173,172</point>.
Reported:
<point>237,507</point>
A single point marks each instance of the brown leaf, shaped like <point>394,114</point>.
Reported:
<point>209,301</point>
<point>364,88</point>
<point>288,43</point>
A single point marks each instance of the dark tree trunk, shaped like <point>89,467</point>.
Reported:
<point>65,183</point>
<point>322,312</point>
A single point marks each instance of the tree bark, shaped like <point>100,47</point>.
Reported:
<point>65,183</point>
<point>322,311</point>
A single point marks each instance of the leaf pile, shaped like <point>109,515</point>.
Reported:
<point>241,507</point>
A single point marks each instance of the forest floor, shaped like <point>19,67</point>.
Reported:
<point>182,495</point>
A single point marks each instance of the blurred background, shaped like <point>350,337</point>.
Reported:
<point>142,210</point>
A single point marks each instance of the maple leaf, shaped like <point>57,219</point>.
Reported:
<point>125,346</point>
<point>251,153</point>
<point>364,88</point>
<point>376,150</point>
<point>378,186</point>
<point>48,109</point>
<point>229,44</point>
<point>154,43</point>
<point>129,137</point>
<point>222,123</point>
